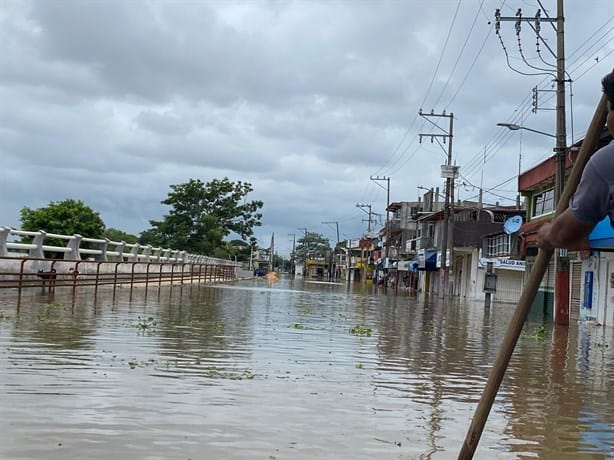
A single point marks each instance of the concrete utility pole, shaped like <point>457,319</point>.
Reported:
<point>449,173</point>
<point>336,224</point>
<point>293,235</point>
<point>369,213</point>
<point>387,180</point>
<point>561,261</point>
<point>306,250</point>
<point>333,260</point>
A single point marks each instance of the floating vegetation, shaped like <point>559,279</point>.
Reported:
<point>245,375</point>
<point>216,373</point>
<point>133,363</point>
<point>146,324</point>
<point>540,334</point>
<point>52,305</point>
<point>219,326</point>
<point>361,331</point>
<point>2,315</point>
<point>359,366</point>
<point>297,326</point>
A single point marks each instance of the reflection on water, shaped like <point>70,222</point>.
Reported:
<point>273,371</point>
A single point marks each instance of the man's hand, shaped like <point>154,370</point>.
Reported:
<point>544,238</point>
<point>564,232</point>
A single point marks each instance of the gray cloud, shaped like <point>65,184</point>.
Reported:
<point>112,102</point>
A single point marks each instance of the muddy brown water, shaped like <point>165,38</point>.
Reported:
<point>291,370</point>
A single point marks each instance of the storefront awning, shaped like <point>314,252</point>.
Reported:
<point>602,236</point>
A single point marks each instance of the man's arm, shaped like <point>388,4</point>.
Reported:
<point>566,231</point>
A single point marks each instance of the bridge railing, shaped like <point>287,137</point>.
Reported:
<point>11,245</point>
<point>30,259</point>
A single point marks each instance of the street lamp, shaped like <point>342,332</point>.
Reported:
<point>514,127</point>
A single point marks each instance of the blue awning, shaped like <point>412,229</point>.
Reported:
<point>602,236</point>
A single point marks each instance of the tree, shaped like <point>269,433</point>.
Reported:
<point>202,215</point>
<point>114,234</point>
<point>311,246</point>
<point>66,217</point>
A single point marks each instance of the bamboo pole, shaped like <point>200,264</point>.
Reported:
<point>527,296</point>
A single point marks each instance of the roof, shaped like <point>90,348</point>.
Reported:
<point>498,213</point>
<point>543,173</point>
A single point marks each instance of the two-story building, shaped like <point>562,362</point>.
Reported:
<point>471,223</point>
<point>537,187</point>
<point>360,259</point>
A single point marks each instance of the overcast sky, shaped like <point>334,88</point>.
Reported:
<point>111,102</point>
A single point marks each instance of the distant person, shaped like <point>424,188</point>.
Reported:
<point>594,197</point>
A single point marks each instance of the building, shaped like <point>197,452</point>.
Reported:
<point>470,225</point>
<point>537,187</point>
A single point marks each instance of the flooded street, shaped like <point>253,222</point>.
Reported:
<point>291,370</point>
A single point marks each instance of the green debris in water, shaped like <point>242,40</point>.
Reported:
<point>359,366</point>
<point>146,324</point>
<point>49,306</point>
<point>540,334</point>
<point>361,331</point>
<point>297,326</point>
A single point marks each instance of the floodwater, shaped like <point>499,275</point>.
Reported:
<point>291,370</point>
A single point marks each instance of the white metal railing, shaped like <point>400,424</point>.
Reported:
<point>102,249</point>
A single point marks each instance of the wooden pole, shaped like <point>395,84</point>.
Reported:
<point>527,296</point>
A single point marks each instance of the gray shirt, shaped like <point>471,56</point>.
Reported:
<point>594,197</point>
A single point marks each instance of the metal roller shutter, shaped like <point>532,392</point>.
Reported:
<point>574,288</point>
<point>509,285</point>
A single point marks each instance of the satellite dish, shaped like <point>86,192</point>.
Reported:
<point>512,225</point>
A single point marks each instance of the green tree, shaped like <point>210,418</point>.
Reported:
<point>202,215</point>
<point>311,246</point>
<point>66,217</point>
<point>118,235</point>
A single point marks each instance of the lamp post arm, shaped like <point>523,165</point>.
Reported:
<point>536,131</point>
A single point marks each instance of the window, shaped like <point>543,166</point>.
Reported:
<point>498,245</point>
<point>543,203</point>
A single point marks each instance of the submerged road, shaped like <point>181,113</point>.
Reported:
<point>291,370</point>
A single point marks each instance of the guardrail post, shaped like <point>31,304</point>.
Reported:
<point>134,254</point>
<point>146,254</point>
<point>4,235</point>
<point>73,245</point>
<point>103,250</point>
<point>156,254</point>
<point>37,250</point>
<point>120,252</point>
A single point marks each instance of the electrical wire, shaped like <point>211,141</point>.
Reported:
<point>460,54</point>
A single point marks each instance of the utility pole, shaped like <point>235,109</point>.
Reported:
<point>449,173</point>
<point>293,235</point>
<point>561,261</point>
<point>332,271</point>
<point>368,206</point>
<point>306,246</point>
<point>336,224</point>
<point>388,233</point>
